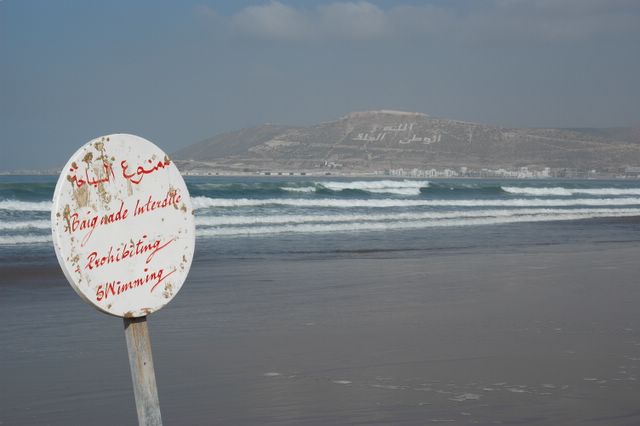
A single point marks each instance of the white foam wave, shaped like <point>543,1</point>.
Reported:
<point>24,239</point>
<point>397,187</point>
<point>206,202</point>
<point>227,220</point>
<point>385,226</point>
<point>15,205</point>
<point>559,191</point>
<point>33,224</point>
<point>299,188</point>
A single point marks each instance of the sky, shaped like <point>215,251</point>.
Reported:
<point>182,71</point>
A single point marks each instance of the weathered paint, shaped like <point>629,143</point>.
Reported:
<point>121,245</point>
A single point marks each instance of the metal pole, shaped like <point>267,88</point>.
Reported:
<point>142,374</point>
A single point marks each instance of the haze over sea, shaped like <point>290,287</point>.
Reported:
<point>316,300</point>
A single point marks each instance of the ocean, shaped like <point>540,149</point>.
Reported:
<point>243,216</point>
<point>318,300</point>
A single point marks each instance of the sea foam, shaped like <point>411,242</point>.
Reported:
<point>31,224</point>
<point>15,205</point>
<point>24,239</point>
<point>396,187</point>
<point>206,202</point>
<point>402,225</point>
<point>560,191</point>
<point>234,220</point>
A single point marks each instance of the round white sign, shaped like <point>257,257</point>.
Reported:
<point>123,226</point>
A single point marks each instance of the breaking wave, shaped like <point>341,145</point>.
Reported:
<point>206,202</point>
<point>403,187</point>
<point>228,220</point>
<point>406,225</point>
<point>33,206</point>
<point>24,239</point>
<point>30,224</point>
<point>559,191</point>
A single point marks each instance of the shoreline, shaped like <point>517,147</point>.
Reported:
<point>47,269</point>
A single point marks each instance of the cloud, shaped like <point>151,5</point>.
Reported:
<point>361,20</point>
<point>335,21</point>
<point>490,21</point>
<point>275,21</point>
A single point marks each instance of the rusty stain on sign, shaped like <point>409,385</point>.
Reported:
<point>81,196</point>
<point>168,290</point>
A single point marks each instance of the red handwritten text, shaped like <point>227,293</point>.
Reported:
<point>172,199</point>
<point>90,180</point>
<point>141,171</point>
<point>116,287</point>
<point>127,250</point>
<point>92,222</point>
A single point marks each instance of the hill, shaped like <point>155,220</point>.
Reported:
<point>378,140</point>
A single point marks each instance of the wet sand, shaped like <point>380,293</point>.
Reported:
<point>543,335</point>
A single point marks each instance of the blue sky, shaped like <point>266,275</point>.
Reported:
<point>179,72</point>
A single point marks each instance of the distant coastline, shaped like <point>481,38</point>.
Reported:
<point>522,173</point>
<point>410,145</point>
<point>391,174</point>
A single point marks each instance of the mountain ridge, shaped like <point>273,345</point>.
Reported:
<point>367,141</point>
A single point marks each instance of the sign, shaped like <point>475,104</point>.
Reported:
<point>123,225</point>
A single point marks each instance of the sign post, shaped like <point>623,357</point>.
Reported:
<point>142,373</point>
<point>124,235</point>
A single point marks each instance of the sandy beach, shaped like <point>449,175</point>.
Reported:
<point>528,336</point>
